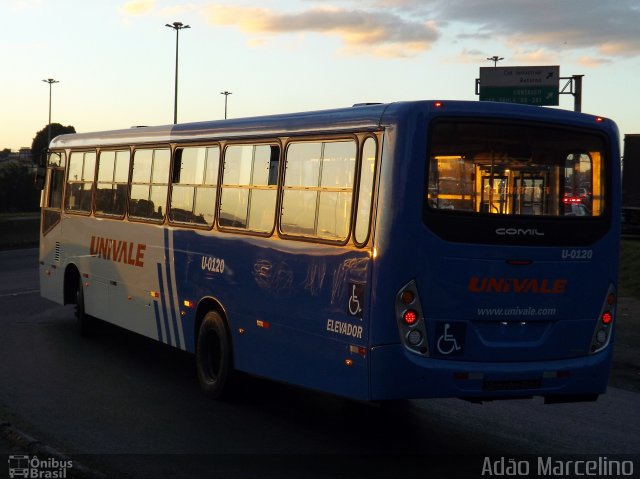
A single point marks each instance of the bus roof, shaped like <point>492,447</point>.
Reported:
<point>360,117</point>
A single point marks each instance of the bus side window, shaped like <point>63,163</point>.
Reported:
<point>56,180</point>
<point>365,193</point>
<point>149,184</point>
<point>113,179</point>
<point>53,196</point>
<point>80,178</point>
<point>318,189</point>
<point>193,187</point>
<point>300,195</point>
<point>249,187</point>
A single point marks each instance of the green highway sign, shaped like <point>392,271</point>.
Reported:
<point>541,96</point>
<point>526,85</point>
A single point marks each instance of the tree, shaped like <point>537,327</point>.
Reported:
<point>17,192</point>
<point>41,141</point>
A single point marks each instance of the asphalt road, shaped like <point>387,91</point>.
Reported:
<point>127,405</point>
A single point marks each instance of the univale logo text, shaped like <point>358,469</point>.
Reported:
<point>517,285</point>
<point>118,251</point>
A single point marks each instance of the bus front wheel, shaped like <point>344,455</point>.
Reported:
<point>213,355</point>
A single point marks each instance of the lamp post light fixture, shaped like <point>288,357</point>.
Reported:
<point>495,59</point>
<point>177,26</point>
<point>226,95</point>
<point>50,81</point>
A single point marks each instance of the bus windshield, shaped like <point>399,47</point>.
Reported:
<point>497,168</point>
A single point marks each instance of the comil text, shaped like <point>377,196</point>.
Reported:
<point>118,251</point>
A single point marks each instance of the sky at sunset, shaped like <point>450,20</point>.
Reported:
<point>115,59</point>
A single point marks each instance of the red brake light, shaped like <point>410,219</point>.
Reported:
<point>437,104</point>
<point>607,317</point>
<point>599,119</point>
<point>410,317</point>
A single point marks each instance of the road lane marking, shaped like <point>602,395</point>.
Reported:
<point>19,293</point>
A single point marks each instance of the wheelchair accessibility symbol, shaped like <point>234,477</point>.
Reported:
<point>450,338</point>
<point>356,299</point>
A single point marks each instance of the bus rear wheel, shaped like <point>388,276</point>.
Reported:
<point>213,355</point>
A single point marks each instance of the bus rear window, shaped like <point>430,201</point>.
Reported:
<point>493,168</point>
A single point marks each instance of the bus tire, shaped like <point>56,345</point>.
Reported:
<point>86,323</point>
<point>213,355</point>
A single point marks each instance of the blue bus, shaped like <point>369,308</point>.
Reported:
<point>384,251</point>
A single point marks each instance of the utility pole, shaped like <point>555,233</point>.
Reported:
<point>495,59</point>
<point>50,81</point>
<point>177,26</point>
<point>226,95</point>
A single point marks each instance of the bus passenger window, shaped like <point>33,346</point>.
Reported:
<point>336,186</point>
<point>55,188</point>
<point>318,188</point>
<point>193,189</point>
<point>113,178</point>
<point>80,181</point>
<point>365,198</point>
<point>249,187</point>
<point>149,184</point>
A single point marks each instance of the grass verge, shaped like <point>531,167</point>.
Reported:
<point>630,267</point>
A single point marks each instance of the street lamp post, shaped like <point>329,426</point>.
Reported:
<point>226,95</point>
<point>495,59</point>
<point>50,81</point>
<point>177,26</point>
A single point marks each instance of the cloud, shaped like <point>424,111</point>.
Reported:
<point>544,31</point>
<point>25,6</point>
<point>361,31</point>
<point>137,7</point>
<point>593,62</point>
<point>610,28</point>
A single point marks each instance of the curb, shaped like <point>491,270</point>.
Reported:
<point>36,448</point>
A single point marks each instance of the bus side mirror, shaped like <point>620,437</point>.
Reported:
<point>41,173</point>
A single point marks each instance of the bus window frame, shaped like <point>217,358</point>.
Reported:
<point>278,186</point>
<point>65,207</point>
<point>46,208</point>
<point>97,214</point>
<point>586,230</point>
<point>354,187</point>
<point>152,147</point>
<point>374,188</point>
<point>186,225</point>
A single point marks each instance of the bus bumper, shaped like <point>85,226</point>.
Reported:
<point>399,374</point>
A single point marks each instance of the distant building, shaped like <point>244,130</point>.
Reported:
<point>24,155</point>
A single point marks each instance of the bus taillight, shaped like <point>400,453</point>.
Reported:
<point>410,317</point>
<point>604,327</point>
<point>407,297</point>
